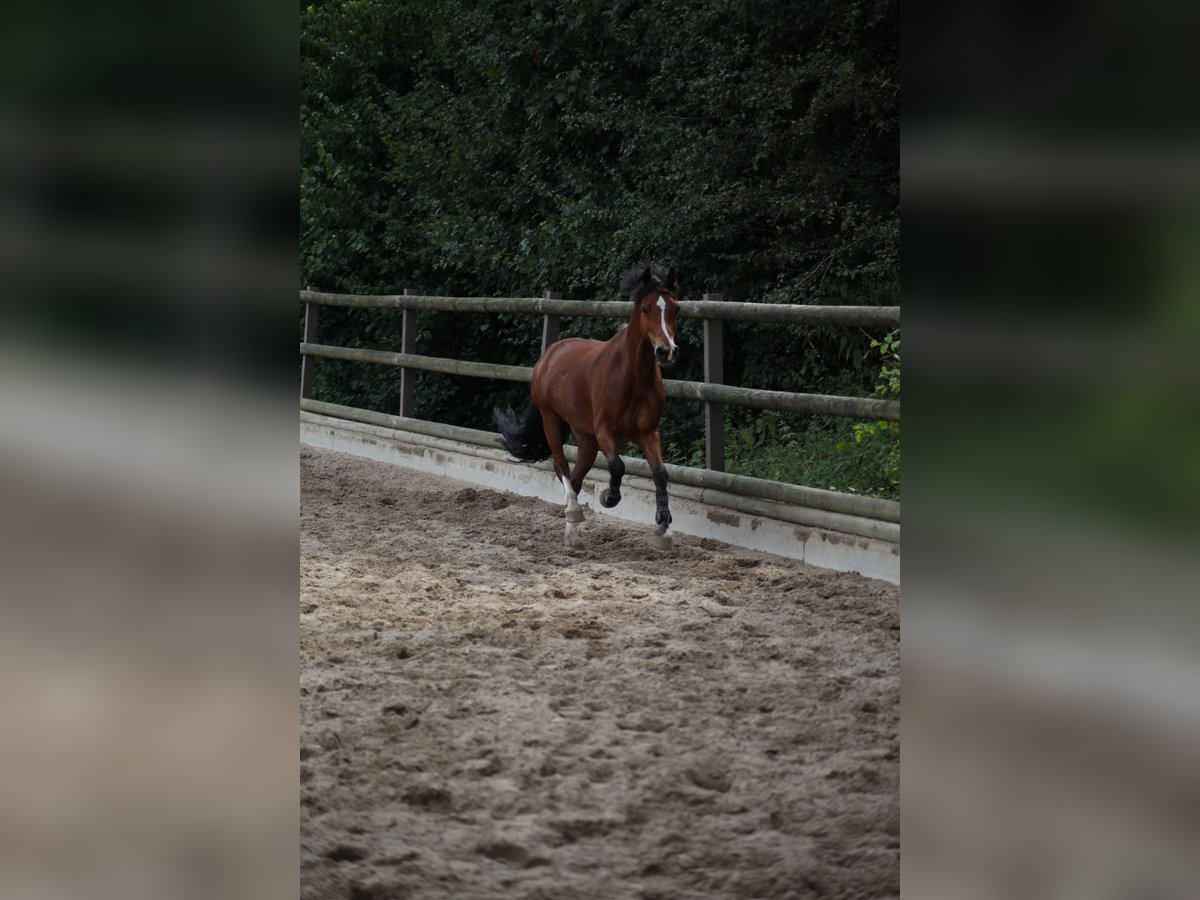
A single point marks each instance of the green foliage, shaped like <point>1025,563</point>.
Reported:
<point>504,149</point>
<point>800,450</point>
<point>878,443</point>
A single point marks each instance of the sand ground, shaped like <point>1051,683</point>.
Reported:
<point>486,713</point>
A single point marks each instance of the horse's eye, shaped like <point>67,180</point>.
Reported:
<point>646,310</point>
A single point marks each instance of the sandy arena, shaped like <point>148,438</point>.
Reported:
<point>485,713</point>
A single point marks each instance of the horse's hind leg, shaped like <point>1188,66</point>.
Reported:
<point>553,427</point>
<point>585,457</point>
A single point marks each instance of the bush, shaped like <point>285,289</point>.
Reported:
<point>503,149</point>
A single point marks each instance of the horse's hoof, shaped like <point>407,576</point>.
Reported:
<point>575,514</point>
<point>663,541</point>
<point>608,499</point>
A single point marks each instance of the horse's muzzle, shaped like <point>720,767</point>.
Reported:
<point>666,357</point>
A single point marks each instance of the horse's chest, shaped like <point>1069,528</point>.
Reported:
<point>629,409</point>
<point>648,415</point>
<point>641,415</point>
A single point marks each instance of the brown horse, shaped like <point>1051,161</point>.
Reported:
<point>608,393</point>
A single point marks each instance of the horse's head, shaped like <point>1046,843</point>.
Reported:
<point>655,308</point>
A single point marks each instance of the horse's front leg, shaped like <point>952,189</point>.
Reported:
<point>611,495</point>
<point>652,449</point>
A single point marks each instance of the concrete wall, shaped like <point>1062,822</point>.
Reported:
<point>493,469</point>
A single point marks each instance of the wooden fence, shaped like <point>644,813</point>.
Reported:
<point>866,516</point>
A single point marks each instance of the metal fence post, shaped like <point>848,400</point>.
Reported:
<point>308,363</point>
<point>408,344</point>
<point>714,373</point>
<point>550,322</point>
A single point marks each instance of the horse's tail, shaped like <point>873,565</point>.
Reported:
<point>524,438</point>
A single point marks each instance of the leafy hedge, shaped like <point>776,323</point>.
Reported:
<point>500,148</point>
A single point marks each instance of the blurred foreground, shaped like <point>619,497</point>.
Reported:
<point>147,466</point>
<point>147,640</point>
<point>1051,173</point>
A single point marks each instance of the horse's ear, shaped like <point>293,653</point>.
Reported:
<point>673,280</point>
<point>647,275</point>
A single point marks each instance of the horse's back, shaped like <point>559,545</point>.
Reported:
<point>567,355</point>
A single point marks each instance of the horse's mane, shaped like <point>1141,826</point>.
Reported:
<point>631,281</point>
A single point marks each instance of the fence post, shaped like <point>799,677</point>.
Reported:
<point>408,344</point>
<point>308,363</point>
<point>714,373</point>
<point>550,322</point>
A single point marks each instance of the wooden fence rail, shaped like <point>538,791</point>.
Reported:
<point>784,401</point>
<point>758,313</point>
<point>854,509</point>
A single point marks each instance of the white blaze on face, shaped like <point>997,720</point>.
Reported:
<point>662,308</point>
